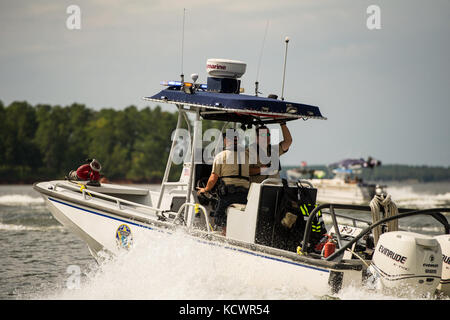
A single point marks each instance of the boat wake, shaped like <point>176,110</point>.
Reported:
<point>180,268</point>
<point>20,227</point>
<point>407,197</point>
<point>13,200</point>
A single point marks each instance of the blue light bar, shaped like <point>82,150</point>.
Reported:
<point>173,83</point>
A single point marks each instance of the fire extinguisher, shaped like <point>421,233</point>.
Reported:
<point>329,248</point>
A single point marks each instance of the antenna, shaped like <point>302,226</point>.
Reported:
<point>286,40</point>
<point>259,59</point>
<point>182,47</point>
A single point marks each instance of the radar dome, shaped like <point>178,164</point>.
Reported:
<point>225,68</point>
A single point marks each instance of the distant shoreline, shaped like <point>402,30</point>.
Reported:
<point>395,172</point>
<point>44,142</point>
<point>373,179</point>
<point>29,182</point>
<point>385,173</point>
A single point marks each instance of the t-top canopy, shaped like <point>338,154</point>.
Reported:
<point>237,107</point>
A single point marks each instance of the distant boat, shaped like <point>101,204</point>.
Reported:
<point>346,186</point>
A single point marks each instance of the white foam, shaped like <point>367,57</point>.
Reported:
<point>18,227</point>
<point>180,268</point>
<point>406,196</point>
<point>20,200</point>
<point>362,293</point>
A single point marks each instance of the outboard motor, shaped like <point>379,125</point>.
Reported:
<point>444,285</point>
<point>405,262</point>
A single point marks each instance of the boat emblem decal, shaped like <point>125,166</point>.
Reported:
<point>124,237</point>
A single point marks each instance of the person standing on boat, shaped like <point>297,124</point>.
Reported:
<point>90,171</point>
<point>230,174</point>
<point>259,171</point>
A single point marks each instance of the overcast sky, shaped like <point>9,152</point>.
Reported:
<point>385,92</point>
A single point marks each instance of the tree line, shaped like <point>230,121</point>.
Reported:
<point>396,172</point>
<point>45,142</point>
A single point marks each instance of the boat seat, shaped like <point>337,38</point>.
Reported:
<point>239,206</point>
<point>177,202</point>
<point>268,200</point>
<point>269,230</point>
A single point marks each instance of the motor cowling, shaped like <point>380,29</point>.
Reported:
<point>444,285</point>
<point>406,263</point>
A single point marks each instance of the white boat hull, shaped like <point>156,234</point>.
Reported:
<point>99,229</point>
<point>110,227</point>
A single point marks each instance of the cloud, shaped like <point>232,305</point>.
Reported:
<point>351,51</point>
<point>358,77</point>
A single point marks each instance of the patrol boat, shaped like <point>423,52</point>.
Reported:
<point>111,218</point>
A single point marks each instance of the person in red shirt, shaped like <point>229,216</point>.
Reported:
<point>88,171</point>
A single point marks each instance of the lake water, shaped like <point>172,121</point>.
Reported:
<point>40,259</point>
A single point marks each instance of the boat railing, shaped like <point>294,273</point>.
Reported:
<point>196,207</point>
<point>87,194</point>
<point>354,220</point>
<point>119,201</point>
<point>403,212</point>
<point>277,181</point>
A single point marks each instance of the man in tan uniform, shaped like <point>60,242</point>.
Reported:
<point>234,173</point>
<point>259,171</point>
